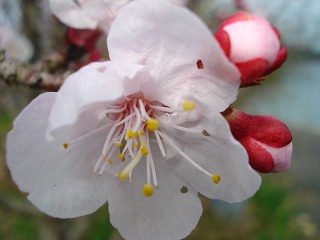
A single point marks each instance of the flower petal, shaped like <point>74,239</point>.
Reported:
<point>60,182</point>
<point>91,86</point>
<point>72,14</point>
<point>218,153</point>
<point>87,14</point>
<point>253,38</point>
<point>170,213</point>
<point>179,50</point>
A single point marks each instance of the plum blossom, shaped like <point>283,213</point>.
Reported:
<point>142,131</point>
<point>90,14</point>
<point>17,46</point>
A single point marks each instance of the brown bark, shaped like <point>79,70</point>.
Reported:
<point>34,75</point>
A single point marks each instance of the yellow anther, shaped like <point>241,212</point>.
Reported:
<point>110,161</point>
<point>148,190</point>
<point>119,144</point>
<point>216,178</point>
<point>188,105</point>
<point>144,150</point>
<point>142,133</point>
<point>136,134</point>
<point>130,133</point>
<point>136,145</point>
<point>65,145</point>
<point>152,124</point>
<point>121,156</point>
<point>122,176</point>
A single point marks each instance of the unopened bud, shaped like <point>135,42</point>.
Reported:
<point>81,45</point>
<point>85,38</point>
<point>267,140</point>
<point>253,45</point>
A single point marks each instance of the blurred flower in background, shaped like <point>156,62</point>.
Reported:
<point>90,14</point>
<point>17,46</point>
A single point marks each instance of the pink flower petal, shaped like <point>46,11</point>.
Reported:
<point>170,40</point>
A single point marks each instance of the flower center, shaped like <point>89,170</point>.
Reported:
<point>135,120</point>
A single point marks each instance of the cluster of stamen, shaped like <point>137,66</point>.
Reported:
<point>135,121</point>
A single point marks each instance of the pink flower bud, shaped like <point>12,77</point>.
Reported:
<point>253,45</point>
<point>267,140</point>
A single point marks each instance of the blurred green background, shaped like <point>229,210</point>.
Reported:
<point>286,207</point>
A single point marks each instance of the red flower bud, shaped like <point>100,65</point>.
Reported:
<point>82,47</point>
<point>267,140</point>
<point>85,38</point>
<point>253,45</point>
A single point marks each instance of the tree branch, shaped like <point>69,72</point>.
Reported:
<point>35,75</point>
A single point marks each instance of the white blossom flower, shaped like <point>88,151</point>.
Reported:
<point>90,14</point>
<point>17,46</point>
<point>142,131</point>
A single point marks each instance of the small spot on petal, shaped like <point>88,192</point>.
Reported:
<point>205,133</point>
<point>184,189</point>
<point>65,145</point>
<point>200,64</point>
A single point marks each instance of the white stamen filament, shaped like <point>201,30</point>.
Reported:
<point>185,156</point>
<point>107,142</point>
<point>93,132</point>
<point>163,152</point>
<point>135,119</point>
<point>143,110</point>
<point>130,149</point>
<point>103,157</point>
<point>165,109</point>
<point>148,166</point>
<point>105,161</point>
<point>138,119</point>
<point>132,164</point>
<point>111,110</point>
<point>150,158</point>
<point>126,119</point>
<point>184,129</point>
